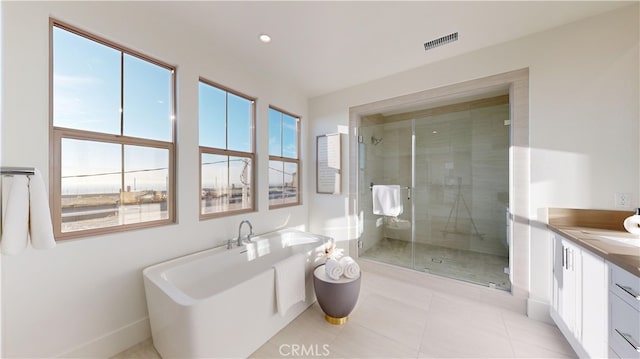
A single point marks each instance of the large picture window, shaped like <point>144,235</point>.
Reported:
<point>227,156</point>
<point>112,125</point>
<point>284,158</point>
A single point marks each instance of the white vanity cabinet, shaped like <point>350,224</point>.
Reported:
<point>564,309</point>
<point>579,302</point>
<point>624,313</point>
<point>594,305</point>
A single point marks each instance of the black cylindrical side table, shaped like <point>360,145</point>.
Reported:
<point>337,298</point>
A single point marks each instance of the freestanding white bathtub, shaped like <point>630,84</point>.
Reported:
<point>221,302</point>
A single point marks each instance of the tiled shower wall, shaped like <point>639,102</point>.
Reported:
<point>461,158</point>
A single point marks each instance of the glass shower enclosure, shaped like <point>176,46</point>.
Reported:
<point>452,165</point>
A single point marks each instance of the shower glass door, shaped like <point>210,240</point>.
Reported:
<point>456,165</point>
<point>386,159</point>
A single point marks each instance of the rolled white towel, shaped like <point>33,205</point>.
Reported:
<point>351,268</point>
<point>632,224</point>
<point>334,269</point>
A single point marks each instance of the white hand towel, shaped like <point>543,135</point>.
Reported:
<point>290,284</point>
<point>40,227</point>
<point>387,200</point>
<point>15,216</point>
<point>333,269</point>
<point>351,268</point>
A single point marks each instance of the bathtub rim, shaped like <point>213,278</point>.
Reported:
<point>155,274</point>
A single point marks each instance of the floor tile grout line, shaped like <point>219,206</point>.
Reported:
<point>424,327</point>
<point>549,349</point>
<point>386,337</point>
<point>406,305</point>
<point>506,330</point>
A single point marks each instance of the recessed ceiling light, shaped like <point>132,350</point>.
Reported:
<point>265,38</point>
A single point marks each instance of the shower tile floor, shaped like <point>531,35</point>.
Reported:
<point>469,266</point>
<point>397,319</point>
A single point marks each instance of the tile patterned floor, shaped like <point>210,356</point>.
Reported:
<point>394,319</point>
<point>469,266</point>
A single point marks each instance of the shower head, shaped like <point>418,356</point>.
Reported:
<point>376,140</point>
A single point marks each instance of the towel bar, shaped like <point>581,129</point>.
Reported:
<point>405,187</point>
<point>26,171</point>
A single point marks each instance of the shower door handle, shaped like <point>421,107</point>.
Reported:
<point>408,192</point>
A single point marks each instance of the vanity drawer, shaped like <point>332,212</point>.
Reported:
<point>624,328</point>
<point>625,285</point>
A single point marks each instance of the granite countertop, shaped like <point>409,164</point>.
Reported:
<point>624,256</point>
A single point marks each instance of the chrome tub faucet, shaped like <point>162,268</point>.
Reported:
<point>240,232</point>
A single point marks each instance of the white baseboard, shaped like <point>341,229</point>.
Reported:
<point>112,343</point>
<point>539,311</point>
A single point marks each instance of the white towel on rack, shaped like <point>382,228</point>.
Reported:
<point>15,214</point>
<point>290,283</point>
<point>25,214</point>
<point>387,200</point>
<point>40,227</point>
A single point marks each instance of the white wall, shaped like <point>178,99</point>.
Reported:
<point>86,297</point>
<point>584,117</point>
<point>1,162</point>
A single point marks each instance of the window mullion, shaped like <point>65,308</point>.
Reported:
<point>229,191</point>
<point>226,120</point>
<point>284,181</point>
<point>122,179</point>
<point>121,93</point>
<point>281,134</point>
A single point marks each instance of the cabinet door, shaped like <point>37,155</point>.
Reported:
<point>558,264</point>
<point>594,305</point>
<point>565,284</point>
<point>570,304</point>
<point>579,305</point>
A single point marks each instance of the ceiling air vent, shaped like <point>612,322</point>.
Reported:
<point>440,41</point>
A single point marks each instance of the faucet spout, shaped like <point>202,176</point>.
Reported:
<point>240,232</point>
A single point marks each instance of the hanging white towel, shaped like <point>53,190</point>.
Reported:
<point>25,214</point>
<point>351,268</point>
<point>40,227</point>
<point>15,214</point>
<point>387,200</point>
<point>290,284</point>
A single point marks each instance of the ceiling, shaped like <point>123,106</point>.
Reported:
<point>324,46</point>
